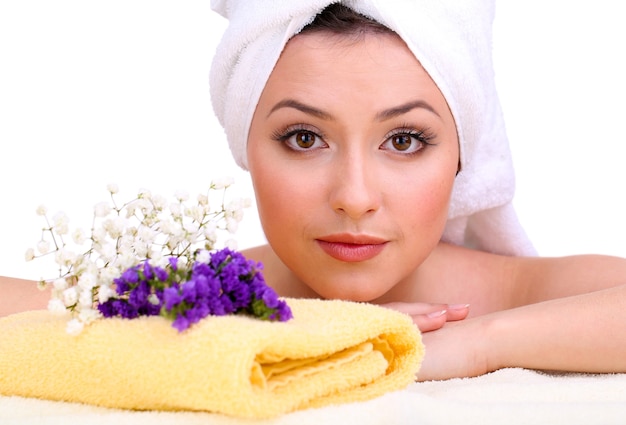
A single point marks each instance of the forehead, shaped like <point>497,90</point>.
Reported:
<point>350,67</point>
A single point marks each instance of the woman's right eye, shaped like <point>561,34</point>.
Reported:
<point>301,140</point>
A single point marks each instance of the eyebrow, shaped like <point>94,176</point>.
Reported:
<point>381,116</point>
<point>403,109</point>
<point>310,110</point>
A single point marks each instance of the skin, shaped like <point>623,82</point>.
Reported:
<point>361,182</point>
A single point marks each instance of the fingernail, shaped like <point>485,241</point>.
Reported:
<point>436,314</point>
<point>458,306</point>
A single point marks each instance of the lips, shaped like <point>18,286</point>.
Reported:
<point>352,248</point>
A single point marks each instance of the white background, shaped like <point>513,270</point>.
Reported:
<point>93,92</point>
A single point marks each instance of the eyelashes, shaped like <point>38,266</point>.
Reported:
<point>405,140</point>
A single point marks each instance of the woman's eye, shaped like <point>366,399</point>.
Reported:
<point>405,142</point>
<point>300,139</point>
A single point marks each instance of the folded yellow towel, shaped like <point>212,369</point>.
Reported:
<point>331,352</point>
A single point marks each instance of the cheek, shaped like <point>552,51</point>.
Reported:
<point>284,201</point>
<point>424,205</point>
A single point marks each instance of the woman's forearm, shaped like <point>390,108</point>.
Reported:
<point>17,295</point>
<point>585,333</point>
<point>582,333</point>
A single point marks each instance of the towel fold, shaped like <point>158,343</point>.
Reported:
<point>452,39</point>
<point>331,352</point>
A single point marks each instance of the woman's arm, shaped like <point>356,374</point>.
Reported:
<point>576,322</point>
<point>18,295</point>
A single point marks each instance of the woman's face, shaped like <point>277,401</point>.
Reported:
<point>352,152</point>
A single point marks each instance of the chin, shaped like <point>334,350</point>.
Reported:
<point>352,293</point>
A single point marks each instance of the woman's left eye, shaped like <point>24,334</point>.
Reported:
<point>405,142</point>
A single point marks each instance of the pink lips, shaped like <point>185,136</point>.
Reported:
<point>350,248</point>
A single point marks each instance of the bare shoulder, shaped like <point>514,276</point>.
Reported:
<point>495,282</point>
<point>454,274</point>
<point>17,295</point>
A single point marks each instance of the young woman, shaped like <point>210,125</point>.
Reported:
<point>354,153</point>
<point>359,157</point>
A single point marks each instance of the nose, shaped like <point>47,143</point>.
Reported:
<point>355,187</point>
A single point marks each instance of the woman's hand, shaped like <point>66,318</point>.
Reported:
<point>429,317</point>
<point>459,349</point>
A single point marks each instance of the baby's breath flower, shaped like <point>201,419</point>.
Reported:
<point>222,183</point>
<point>144,194</point>
<point>146,230</point>
<point>42,285</point>
<point>56,306</point>
<point>60,222</point>
<point>74,327</point>
<point>232,225</point>
<point>70,296</point>
<point>203,200</point>
<point>102,209</point>
<point>181,195</point>
<point>60,284</point>
<point>176,210</point>
<point>105,293</point>
<point>112,188</point>
<point>88,315</point>
<point>87,281</point>
<point>41,210</point>
<point>29,255</point>
<point>43,247</point>
<point>78,236</point>
<point>160,202</point>
<point>203,256</point>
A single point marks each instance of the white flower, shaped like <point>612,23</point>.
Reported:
<point>85,300</point>
<point>107,251</point>
<point>195,212</point>
<point>29,254</point>
<point>160,202</point>
<point>112,188</point>
<point>203,256</point>
<point>78,236</point>
<point>181,195</point>
<point>74,327</point>
<point>222,183</point>
<point>56,306</point>
<point>60,284</point>
<point>105,292</point>
<point>114,226</point>
<point>153,299</point>
<point>60,222</point>
<point>41,210</point>
<point>102,209</point>
<point>203,200</point>
<point>70,296</point>
<point>64,257</point>
<point>43,247</point>
<point>87,281</point>
<point>232,225</point>
<point>146,234</point>
<point>176,210</point>
<point>42,285</point>
<point>88,315</point>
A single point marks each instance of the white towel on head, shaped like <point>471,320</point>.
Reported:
<point>452,41</point>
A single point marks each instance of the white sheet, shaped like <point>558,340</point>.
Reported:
<point>508,396</point>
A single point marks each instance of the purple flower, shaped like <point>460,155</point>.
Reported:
<point>171,297</point>
<point>227,284</point>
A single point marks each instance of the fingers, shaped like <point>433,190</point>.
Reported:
<point>430,317</point>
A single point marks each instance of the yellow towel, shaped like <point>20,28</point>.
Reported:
<point>331,352</point>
